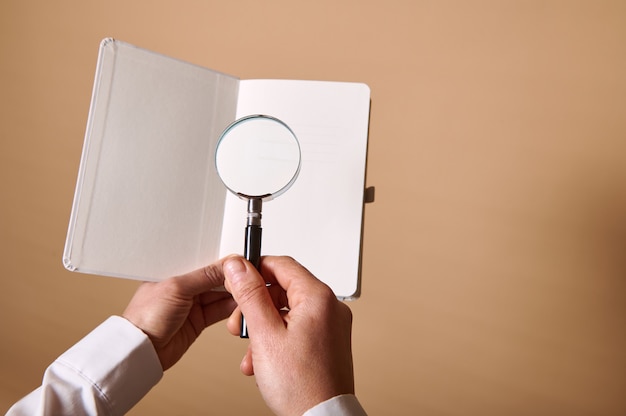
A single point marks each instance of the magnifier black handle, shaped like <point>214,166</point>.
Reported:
<point>252,253</point>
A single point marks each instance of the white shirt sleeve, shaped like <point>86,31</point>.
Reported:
<point>110,370</point>
<point>105,373</point>
<point>343,405</point>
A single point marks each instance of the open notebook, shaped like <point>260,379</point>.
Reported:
<point>149,203</point>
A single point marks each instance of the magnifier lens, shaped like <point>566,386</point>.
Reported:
<point>258,157</point>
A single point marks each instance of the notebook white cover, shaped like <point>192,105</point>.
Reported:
<point>149,203</point>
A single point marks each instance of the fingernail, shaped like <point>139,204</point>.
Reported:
<point>234,267</point>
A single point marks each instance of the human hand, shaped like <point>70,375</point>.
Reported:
<point>174,312</point>
<point>301,356</point>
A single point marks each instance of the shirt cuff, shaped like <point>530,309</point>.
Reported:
<point>344,404</point>
<point>119,359</point>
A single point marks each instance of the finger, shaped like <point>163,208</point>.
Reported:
<point>218,310</point>
<point>246,366</point>
<point>279,296</point>
<point>298,283</point>
<point>234,322</point>
<point>207,298</point>
<point>201,280</point>
<point>254,300</point>
<point>277,293</point>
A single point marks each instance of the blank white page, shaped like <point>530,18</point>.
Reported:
<point>318,221</point>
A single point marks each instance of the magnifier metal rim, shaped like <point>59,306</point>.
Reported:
<point>280,191</point>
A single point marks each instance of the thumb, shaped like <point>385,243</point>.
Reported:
<point>249,291</point>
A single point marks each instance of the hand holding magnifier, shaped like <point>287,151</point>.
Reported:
<point>257,158</point>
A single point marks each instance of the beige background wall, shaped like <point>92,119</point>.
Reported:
<point>494,272</point>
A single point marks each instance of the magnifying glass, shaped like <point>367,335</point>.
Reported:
<point>257,158</point>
